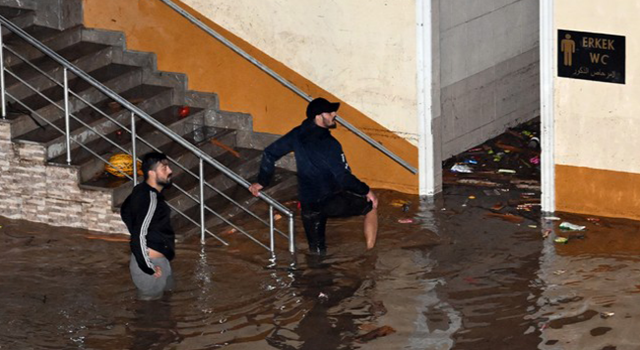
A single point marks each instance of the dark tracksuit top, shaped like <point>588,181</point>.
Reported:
<point>148,218</point>
<point>322,167</point>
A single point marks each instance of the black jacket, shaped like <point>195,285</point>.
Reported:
<point>322,166</point>
<point>148,218</point>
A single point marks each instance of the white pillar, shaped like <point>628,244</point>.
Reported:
<point>547,74</point>
<point>428,162</point>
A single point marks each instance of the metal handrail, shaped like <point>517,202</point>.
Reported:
<point>83,146</point>
<point>158,126</point>
<point>285,82</point>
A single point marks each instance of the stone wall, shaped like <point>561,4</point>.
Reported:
<point>31,189</point>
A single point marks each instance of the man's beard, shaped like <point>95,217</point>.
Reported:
<point>167,183</point>
<point>332,126</point>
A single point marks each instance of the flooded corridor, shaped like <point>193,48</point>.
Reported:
<point>454,278</point>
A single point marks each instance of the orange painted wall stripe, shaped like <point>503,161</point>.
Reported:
<point>597,192</point>
<point>211,67</point>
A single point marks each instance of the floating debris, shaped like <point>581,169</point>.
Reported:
<point>561,240</point>
<point>481,183</point>
<point>399,203</point>
<point>405,221</point>
<point>607,314</point>
<point>507,217</point>
<point>461,168</point>
<point>552,218</point>
<point>559,272</point>
<point>497,207</point>
<point>571,227</point>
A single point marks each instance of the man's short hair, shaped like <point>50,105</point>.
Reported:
<point>150,162</point>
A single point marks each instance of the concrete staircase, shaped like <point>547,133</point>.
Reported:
<point>133,75</point>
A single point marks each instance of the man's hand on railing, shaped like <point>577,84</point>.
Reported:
<point>255,189</point>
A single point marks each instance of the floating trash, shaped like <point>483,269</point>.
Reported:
<point>399,203</point>
<point>405,221</point>
<point>607,314</point>
<point>552,218</point>
<point>571,227</point>
<point>461,168</point>
<point>561,240</point>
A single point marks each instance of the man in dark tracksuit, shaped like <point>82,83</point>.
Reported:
<point>148,218</point>
<point>327,188</point>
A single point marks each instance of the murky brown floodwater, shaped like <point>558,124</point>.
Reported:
<point>454,279</point>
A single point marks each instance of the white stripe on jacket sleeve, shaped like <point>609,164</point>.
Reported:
<point>145,228</point>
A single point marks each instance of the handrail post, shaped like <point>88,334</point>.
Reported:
<point>134,154</point>
<point>202,227</point>
<point>2,95</point>
<point>271,232</point>
<point>66,115</point>
<point>292,238</point>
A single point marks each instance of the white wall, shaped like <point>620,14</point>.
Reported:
<point>489,69</point>
<point>361,51</point>
<point>596,124</point>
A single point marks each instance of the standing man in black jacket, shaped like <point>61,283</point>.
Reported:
<point>327,188</point>
<point>148,218</point>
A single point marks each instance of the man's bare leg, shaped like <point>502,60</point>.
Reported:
<point>371,228</point>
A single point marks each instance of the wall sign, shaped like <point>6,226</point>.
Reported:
<point>591,56</point>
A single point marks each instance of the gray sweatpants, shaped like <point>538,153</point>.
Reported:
<point>149,287</point>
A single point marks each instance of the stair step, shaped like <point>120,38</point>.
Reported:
<point>36,101</point>
<point>80,156</point>
<point>20,17</point>
<point>54,39</point>
<point>114,76</point>
<point>46,64</point>
<point>89,115</point>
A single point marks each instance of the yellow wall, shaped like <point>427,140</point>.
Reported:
<point>211,67</point>
<point>362,51</point>
<point>596,146</point>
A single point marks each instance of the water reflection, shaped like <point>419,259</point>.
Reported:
<point>451,279</point>
<point>591,290</point>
